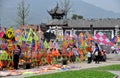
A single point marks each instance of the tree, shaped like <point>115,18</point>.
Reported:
<point>66,5</point>
<point>22,12</point>
<point>75,16</point>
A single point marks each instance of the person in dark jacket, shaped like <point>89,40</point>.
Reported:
<point>16,54</point>
<point>97,53</point>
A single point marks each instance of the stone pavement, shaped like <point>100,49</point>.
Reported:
<point>117,73</point>
<point>82,65</point>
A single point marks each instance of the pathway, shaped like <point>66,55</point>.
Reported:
<point>79,66</point>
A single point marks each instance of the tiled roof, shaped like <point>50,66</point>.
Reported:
<point>56,22</point>
<point>95,22</point>
<point>56,10</point>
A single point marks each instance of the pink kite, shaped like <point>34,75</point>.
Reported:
<point>1,34</point>
<point>102,39</point>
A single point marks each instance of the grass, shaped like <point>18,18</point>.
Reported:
<point>110,67</point>
<point>99,72</point>
<point>78,74</point>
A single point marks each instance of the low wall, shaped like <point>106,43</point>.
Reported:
<point>114,57</point>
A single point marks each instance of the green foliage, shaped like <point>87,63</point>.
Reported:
<point>75,16</point>
<point>111,67</point>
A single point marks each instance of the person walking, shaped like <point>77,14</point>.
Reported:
<point>16,54</point>
<point>97,53</point>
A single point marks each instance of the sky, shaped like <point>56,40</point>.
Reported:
<point>38,10</point>
<point>110,5</point>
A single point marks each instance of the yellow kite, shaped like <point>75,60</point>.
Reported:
<point>9,33</point>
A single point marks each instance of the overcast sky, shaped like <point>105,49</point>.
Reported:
<point>38,9</point>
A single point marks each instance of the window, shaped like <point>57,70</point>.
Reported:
<point>77,32</point>
<point>118,32</point>
<point>67,32</point>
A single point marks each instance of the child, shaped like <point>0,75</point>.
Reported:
<point>89,57</point>
<point>64,61</point>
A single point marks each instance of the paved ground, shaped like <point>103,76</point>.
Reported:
<point>113,57</point>
<point>79,66</point>
<point>115,72</point>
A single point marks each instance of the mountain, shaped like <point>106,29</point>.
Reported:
<point>38,11</point>
<point>90,11</point>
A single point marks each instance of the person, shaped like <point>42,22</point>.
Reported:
<point>97,53</point>
<point>76,54</point>
<point>16,54</point>
<point>28,63</point>
<point>64,61</point>
<point>89,57</point>
<point>104,55</point>
<point>89,54</point>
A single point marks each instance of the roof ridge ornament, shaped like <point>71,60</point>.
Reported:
<point>57,12</point>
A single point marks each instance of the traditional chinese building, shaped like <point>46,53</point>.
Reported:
<point>60,26</point>
<point>110,27</point>
<point>57,22</point>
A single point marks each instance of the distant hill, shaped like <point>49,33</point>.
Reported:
<point>91,11</point>
<point>38,11</point>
